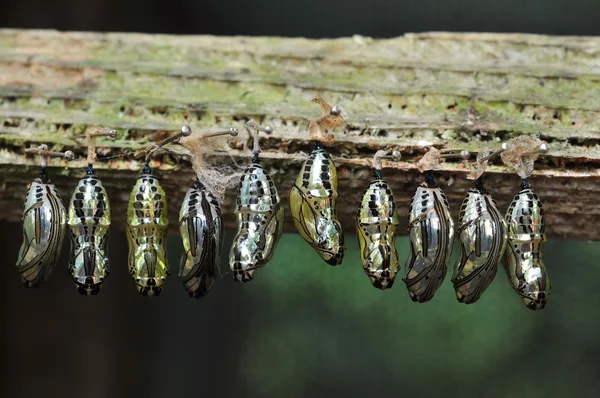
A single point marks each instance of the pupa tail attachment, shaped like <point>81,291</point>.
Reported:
<point>256,146</point>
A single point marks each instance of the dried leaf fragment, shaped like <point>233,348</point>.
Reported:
<point>521,154</point>
<point>330,119</point>
<point>478,167</point>
<point>430,161</point>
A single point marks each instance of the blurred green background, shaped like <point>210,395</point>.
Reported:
<point>301,329</point>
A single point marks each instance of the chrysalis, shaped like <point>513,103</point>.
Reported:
<point>44,225</point>
<point>313,197</point>
<point>526,239</point>
<point>147,224</point>
<point>376,224</point>
<point>431,232</point>
<point>201,228</point>
<point>526,224</point>
<point>482,233</point>
<point>89,221</point>
<point>259,213</point>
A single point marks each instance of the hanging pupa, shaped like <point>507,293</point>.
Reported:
<point>526,223</point>
<point>431,231</point>
<point>376,224</point>
<point>259,213</point>
<point>89,222</point>
<point>313,197</point>
<point>147,223</point>
<point>201,229</point>
<point>482,234</point>
<point>44,224</point>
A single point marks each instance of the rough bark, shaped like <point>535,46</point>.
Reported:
<point>453,91</point>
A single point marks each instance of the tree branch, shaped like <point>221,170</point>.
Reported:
<point>453,91</point>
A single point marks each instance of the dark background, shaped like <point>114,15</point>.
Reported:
<point>302,328</point>
<point>309,18</point>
